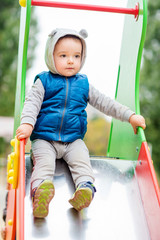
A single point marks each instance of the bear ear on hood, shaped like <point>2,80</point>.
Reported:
<point>52,33</point>
<point>83,33</point>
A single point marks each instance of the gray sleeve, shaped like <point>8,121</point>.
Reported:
<point>108,106</point>
<point>33,103</point>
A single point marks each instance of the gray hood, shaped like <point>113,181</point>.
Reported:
<point>53,38</point>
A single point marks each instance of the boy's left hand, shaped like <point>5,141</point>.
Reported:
<point>137,121</point>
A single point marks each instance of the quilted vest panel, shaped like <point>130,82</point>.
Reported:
<point>62,116</point>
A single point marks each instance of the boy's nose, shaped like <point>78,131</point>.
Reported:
<point>70,60</point>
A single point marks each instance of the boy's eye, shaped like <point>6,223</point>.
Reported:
<point>77,56</point>
<point>63,55</point>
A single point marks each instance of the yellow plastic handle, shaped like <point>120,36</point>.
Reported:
<point>22,3</point>
<point>13,164</point>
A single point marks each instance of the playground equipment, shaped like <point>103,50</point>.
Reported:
<point>127,203</point>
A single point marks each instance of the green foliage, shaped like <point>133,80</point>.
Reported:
<point>97,136</point>
<point>9,23</point>
<point>150,77</point>
<point>9,36</point>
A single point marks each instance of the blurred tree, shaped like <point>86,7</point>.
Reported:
<point>97,136</point>
<point>9,36</point>
<point>150,81</point>
<point>4,145</point>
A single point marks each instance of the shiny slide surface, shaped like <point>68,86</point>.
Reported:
<point>115,213</point>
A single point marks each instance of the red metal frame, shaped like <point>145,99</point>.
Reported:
<point>132,11</point>
<point>149,190</point>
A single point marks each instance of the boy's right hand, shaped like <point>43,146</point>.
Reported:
<point>24,131</point>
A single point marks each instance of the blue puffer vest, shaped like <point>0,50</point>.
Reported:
<point>62,116</point>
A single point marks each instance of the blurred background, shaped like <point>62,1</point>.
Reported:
<point>98,125</point>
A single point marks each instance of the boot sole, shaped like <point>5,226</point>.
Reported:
<point>81,198</point>
<point>43,195</point>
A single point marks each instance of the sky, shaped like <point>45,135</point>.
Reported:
<point>103,42</point>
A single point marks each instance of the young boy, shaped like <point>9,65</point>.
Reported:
<point>55,119</point>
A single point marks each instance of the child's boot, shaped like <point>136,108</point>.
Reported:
<point>83,196</point>
<point>41,197</point>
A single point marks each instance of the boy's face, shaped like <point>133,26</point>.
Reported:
<point>67,56</point>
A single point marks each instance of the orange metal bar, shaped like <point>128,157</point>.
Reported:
<point>21,188</point>
<point>11,215</point>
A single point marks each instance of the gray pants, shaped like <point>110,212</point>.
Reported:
<point>76,155</point>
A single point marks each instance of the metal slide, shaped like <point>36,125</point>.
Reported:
<point>127,203</point>
<point>115,213</point>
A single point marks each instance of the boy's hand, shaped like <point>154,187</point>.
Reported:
<point>24,131</point>
<point>137,121</point>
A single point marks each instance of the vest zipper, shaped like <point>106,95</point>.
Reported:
<point>64,109</point>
